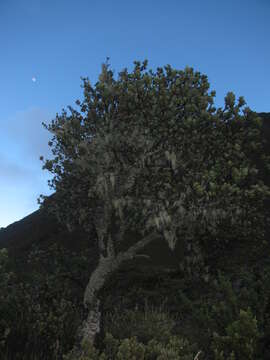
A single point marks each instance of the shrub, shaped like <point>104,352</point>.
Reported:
<point>241,340</point>
<point>138,335</point>
<point>131,349</point>
<point>146,325</point>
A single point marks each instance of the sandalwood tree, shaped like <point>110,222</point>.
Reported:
<point>149,153</point>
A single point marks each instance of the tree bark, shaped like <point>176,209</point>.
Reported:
<point>107,265</point>
<point>91,325</point>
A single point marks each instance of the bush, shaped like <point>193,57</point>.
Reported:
<point>241,340</point>
<point>146,325</point>
<point>138,335</point>
<point>131,349</point>
<point>38,316</point>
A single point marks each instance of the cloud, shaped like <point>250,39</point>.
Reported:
<point>23,140</point>
<point>12,173</point>
<point>26,135</point>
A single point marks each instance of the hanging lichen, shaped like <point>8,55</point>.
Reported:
<point>172,158</point>
<point>112,179</point>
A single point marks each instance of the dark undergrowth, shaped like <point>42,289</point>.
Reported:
<point>149,312</point>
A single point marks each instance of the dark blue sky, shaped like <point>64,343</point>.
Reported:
<point>57,42</point>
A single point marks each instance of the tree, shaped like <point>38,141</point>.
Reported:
<point>149,153</point>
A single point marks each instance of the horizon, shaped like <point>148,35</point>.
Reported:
<point>47,47</point>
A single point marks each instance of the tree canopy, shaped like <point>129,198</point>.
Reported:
<point>154,145</point>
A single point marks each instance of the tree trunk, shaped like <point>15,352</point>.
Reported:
<point>91,325</point>
<point>107,265</point>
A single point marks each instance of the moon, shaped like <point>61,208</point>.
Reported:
<point>34,79</point>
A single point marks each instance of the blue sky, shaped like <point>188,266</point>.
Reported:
<point>58,41</point>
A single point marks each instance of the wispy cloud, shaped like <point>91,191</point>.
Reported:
<point>13,173</point>
<point>24,130</point>
<point>23,140</point>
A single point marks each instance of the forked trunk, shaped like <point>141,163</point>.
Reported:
<point>91,325</point>
<point>107,265</point>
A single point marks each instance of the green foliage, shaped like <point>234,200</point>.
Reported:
<point>132,349</point>
<point>158,182</point>
<point>6,279</point>
<point>218,311</point>
<point>147,325</point>
<point>152,326</point>
<point>39,317</point>
<point>240,341</point>
<point>226,314</point>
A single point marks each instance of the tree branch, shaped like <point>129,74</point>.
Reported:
<point>110,247</point>
<point>131,252</point>
<point>143,256</point>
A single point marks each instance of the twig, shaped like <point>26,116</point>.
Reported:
<point>197,356</point>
